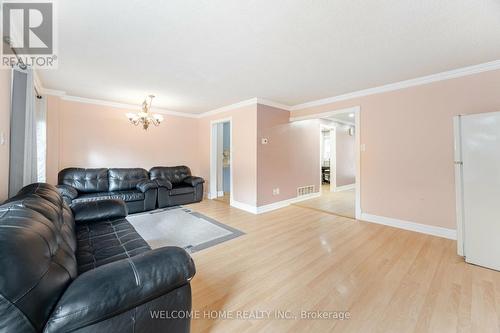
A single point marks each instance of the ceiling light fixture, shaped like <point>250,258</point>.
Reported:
<point>351,115</point>
<point>145,117</point>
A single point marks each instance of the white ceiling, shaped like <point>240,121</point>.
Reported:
<point>198,55</point>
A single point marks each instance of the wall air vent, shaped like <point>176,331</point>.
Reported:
<point>305,190</point>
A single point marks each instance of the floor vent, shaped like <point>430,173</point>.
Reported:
<point>305,190</point>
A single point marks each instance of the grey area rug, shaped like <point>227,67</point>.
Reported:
<point>178,226</point>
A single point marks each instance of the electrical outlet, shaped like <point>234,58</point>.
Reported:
<point>276,191</point>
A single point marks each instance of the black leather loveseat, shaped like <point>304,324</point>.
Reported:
<point>176,185</point>
<point>85,269</point>
<point>131,185</point>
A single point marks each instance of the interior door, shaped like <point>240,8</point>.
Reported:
<point>480,138</point>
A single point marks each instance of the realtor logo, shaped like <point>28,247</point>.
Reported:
<point>28,34</point>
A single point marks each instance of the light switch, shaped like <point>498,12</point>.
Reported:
<point>2,138</point>
<point>362,147</point>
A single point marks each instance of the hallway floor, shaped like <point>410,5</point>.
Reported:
<point>341,203</point>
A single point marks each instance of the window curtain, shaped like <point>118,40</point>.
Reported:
<point>41,137</point>
<point>23,168</point>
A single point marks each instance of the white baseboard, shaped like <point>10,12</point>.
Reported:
<point>344,188</point>
<point>211,195</point>
<point>272,206</point>
<point>220,193</point>
<point>243,206</point>
<point>412,226</point>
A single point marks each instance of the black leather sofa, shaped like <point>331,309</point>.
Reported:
<point>176,186</point>
<point>130,185</point>
<point>84,269</point>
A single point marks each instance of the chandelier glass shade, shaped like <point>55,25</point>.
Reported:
<point>145,117</point>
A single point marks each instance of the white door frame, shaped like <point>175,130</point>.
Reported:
<point>359,146</point>
<point>212,194</point>
<point>333,156</point>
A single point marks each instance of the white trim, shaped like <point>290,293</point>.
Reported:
<point>327,114</point>
<point>341,122</point>
<point>357,142</point>
<point>212,194</point>
<point>465,71</point>
<point>274,205</point>
<point>285,203</point>
<point>220,159</point>
<point>344,188</point>
<point>252,101</point>
<point>411,226</point>
<point>452,74</point>
<point>243,206</point>
<point>53,92</point>
<point>273,104</point>
<point>124,106</point>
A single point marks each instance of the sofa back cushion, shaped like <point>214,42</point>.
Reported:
<point>175,175</point>
<point>122,179</point>
<point>85,180</point>
<point>37,243</point>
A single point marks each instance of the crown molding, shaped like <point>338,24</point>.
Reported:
<point>273,104</point>
<point>452,74</point>
<point>230,107</point>
<point>327,114</point>
<point>251,101</point>
<point>53,92</point>
<point>124,106</point>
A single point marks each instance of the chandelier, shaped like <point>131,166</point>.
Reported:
<point>145,117</point>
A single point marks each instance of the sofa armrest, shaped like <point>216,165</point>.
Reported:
<point>164,183</point>
<point>193,181</point>
<point>146,185</point>
<point>100,210</point>
<point>67,191</point>
<point>112,289</point>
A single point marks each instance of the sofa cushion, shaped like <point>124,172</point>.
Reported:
<point>181,189</point>
<point>132,195</point>
<point>38,262</point>
<point>85,180</point>
<point>103,242</point>
<point>175,175</point>
<point>99,210</point>
<point>121,179</point>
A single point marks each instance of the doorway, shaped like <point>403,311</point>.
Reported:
<point>220,161</point>
<point>339,165</point>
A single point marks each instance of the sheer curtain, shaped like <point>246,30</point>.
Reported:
<point>41,137</point>
<point>23,168</point>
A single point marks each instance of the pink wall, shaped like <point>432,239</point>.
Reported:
<point>87,135</point>
<point>346,157</point>
<point>407,169</point>
<point>290,159</point>
<point>5,77</point>
<point>244,148</point>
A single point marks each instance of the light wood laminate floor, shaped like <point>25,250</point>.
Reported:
<point>341,203</point>
<point>298,259</point>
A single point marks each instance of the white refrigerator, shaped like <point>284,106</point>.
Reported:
<point>477,181</point>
